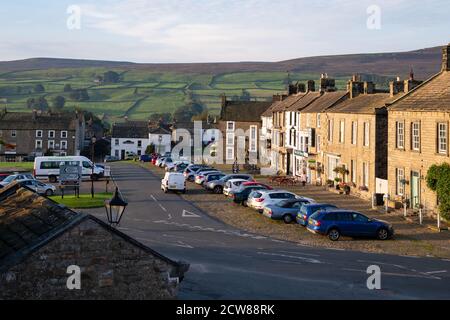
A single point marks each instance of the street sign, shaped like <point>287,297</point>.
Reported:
<point>70,175</point>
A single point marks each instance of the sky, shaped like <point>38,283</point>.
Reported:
<point>177,31</point>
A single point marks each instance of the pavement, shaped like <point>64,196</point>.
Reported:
<point>228,263</point>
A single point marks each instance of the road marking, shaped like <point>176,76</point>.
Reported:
<point>301,253</point>
<point>163,209</point>
<point>397,274</point>
<point>153,197</point>
<point>310,260</point>
<point>288,262</point>
<point>187,214</point>
<point>436,272</point>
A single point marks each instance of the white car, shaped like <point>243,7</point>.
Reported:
<point>232,186</point>
<point>171,165</point>
<point>201,177</point>
<point>173,181</point>
<point>259,199</point>
<point>159,161</point>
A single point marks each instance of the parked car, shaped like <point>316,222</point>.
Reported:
<point>3,176</point>
<point>39,187</point>
<point>165,162</point>
<point>339,223</point>
<point>201,177</point>
<point>254,183</point>
<point>111,159</point>
<point>159,161</point>
<point>49,167</point>
<point>173,182</point>
<point>213,176</point>
<point>232,186</point>
<point>191,176</point>
<point>308,210</point>
<point>130,156</point>
<point>145,158</point>
<point>260,199</point>
<point>218,185</point>
<point>241,196</point>
<point>170,166</point>
<point>16,178</point>
<point>285,210</point>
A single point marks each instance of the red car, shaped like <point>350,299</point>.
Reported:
<point>254,183</point>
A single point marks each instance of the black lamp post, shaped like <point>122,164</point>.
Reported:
<point>160,138</point>
<point>93,141</point>
<point>115,208</point>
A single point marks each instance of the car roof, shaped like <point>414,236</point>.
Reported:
<point>236,180</point>
<point>321,205</point>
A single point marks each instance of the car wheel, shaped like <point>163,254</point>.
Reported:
<point>166,190</point>
<point>218,190</point>
<point>52,179</point>
<point>334,234</point>
<point>287,219</point>
<point>260,211</point>
<point>383,234</point>
<point>244,203</point>
<point>49,193</point>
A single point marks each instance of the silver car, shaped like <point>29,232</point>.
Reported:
<point>16,178</point>
<point>258,200</point>
<point>39,187</point>
<point>218,185</point>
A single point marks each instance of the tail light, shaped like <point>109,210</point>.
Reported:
<point>317,223</point>
<point>34,173</point>
<point>259,200</point>
<point>305,217</point>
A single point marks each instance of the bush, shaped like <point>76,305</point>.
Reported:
<point>438,180</point>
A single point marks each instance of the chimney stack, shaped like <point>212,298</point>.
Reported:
<point>369,87</point>
<point>411,83</point>
<point>34,115</point>
<point>446,58</point>
<point>396,87</point>
<point>224,100</point>
<point>327,84</point>
<point>355,87</point>
<point>311,87</point>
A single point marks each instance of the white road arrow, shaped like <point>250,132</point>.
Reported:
<point>187,214</point>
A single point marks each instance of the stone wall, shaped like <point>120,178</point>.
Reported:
<point>111,268</point>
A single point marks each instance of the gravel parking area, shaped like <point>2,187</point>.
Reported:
<point>410,239</point>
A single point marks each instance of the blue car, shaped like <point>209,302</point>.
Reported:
<point>308,210</point>
<point>335,224</point>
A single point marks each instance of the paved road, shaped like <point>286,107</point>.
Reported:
<point>227,263</point>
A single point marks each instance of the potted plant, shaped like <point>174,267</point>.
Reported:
<point>330,183</point>
<point>338,181</point>
<point>347,189</point>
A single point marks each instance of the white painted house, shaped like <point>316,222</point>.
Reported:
<point>129,138</point>
<point>162,140</point>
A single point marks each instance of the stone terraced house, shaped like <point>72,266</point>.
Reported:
<point>418,138</point>
<point>41,243</point>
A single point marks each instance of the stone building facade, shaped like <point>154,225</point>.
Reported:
<point>418,138</point>
<point>113,266</point>
<point>39,133</point>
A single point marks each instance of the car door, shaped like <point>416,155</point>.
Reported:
<point>345,223</point>
<point>362,225</point>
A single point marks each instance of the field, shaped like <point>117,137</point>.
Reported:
<point>139,92</point>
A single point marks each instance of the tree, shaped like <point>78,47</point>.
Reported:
<point>438,180</point>
<point>84,95</point>
<point>67,88</point>
<point>201,117</point>
<point>245,96</point>
<point>31,103</point>
<point>59,102</point>
<point>150,149</point>
<point>111,77</point>
<point>39,103</point>
<point>39,88</point>
<point>79,95</point>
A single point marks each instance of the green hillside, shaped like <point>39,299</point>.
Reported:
<point>139,92</point>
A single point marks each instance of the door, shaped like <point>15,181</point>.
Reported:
<point>122,155</point>
<point>288,165</point>
<point>415,189</point>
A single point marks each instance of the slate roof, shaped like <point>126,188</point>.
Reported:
<point>305,101</point>
<point>363,104</point>
<point>432,95</point>
<point>130,130</point>
<point>42,121</point>
<point>326,101</point>
<point>29,221</point>
<point>160,131</point>
<point>287,103</point>
<point>243,111</point>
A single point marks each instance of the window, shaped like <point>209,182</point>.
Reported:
<point>51,134</point>
<point>342,131</point>
<point>230,126</point>
<point>139,144</point>
<point>400,135</point>
<point>443,138</point>
<point>330,130</point>
<point>63,154</point>
<point>230,139</point>
<point>353,171</point>
<point>400,182</point>
<point>308,120</point>
<point>318,120</point>
<point>13,133</point>
<point>38,144</point>
<point>64,134</point>
<point>415,136</point>
<point>39,133</point>
<point>230,153</point>
<point>116,153</point>
<point>51,144</point>
<point>139,153</point>
<point>354,132</point>
<point>116,142</point>
<point>365,177</point>
<point>366,134</point>
<point>253,138</point>
<point>63,145</point>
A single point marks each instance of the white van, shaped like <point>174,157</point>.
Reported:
<point>173,182</point>
<point>48,167</point>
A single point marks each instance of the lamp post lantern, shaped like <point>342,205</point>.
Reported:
<point>93,141</point>
<point>115,208</point>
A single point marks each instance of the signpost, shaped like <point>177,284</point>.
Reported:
<point>70,177</point>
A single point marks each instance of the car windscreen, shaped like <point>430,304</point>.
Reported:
<point>9,179</point>
<point>256,195</point>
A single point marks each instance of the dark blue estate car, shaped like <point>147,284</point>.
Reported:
<point>308,210</point>
<point>339,223</point>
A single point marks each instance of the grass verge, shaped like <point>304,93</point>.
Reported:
<point>84,202</point>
